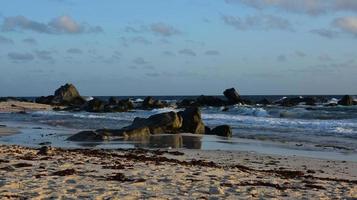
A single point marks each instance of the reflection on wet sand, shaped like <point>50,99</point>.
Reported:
<point>173,141</point>
<point>157,141</point>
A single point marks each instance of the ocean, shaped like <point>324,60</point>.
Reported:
<point>314,131</point>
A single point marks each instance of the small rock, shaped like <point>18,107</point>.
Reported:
<point>216,190</point>
<point>45,150</point>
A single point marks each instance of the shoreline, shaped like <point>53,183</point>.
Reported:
<point>33,135</point>
<point>20,106</point>
<point>140,173</point>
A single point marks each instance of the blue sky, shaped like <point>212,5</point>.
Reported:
<point>178,47</point>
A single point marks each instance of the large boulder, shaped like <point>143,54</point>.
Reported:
<point>161,123</point>
<point>346,100</point>
<point>192,121</point>
<point>232,96</point>
<point>67,94</point>
<point>169,122</point>
<point>88,136</point>
<point>224,131</point>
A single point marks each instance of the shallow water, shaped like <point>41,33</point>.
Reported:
<point>317,131</point>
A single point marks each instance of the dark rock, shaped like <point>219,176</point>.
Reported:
<point>5,99</point>
<point>289,102</point>
<point>128,133</point>
<point>264,102</point>
<point>310,101</point>
<point>142,128</point>
<point>192,121</point>
<point>224,131</point>
<point>21,165</point>
<point>45,150</point>
<point>95,105</point>
<point>116,105</point>
<point>151,103</point>
<point>186,103</point>
<point>169,122</point>
<point>346,101</point>
<point>45,100</point>
<point>88,136</point>
<point>209,101</point>
<point>66,172</point>
<point>113,101</point>
<point>65,95</point>
<point>232,96</point>
<point>225,109</point>
<point>207,130</point>
<point>44,143</point>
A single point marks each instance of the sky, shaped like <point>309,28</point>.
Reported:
<point>178,47</point>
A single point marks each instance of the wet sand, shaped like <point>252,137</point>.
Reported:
<point>169,174</point>
<point>5,131</point>
<point>19,106</point>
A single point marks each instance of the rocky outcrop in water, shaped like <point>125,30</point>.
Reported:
<point>151,103</point>
<point>232,96</point>
<point>289,102</point>
<point>192,121</point>
<point>223,130</point>
<point>347,100</point>
<point>90,136</point>
<point>187,121</point>
<point>66,95</point>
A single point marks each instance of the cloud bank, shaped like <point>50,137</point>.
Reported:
<point>60,25</point>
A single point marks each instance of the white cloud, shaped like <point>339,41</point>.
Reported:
<point>187,52</point>
<point>164,29</point>
<point>22,57</point>
<point>258,22</point>
<point>346,24</point>
<point>311,7</point>
<point>59,25</point>
<point>5,40</point>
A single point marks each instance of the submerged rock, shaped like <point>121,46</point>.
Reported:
<point>127,133</point>
<point>88,136</point>
<point>224,131</point>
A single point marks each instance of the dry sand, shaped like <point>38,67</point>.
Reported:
<point>19,106</point>
<point>162,174</point>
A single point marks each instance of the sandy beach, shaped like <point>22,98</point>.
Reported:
<point>20,106</point>
<point>52,173</point>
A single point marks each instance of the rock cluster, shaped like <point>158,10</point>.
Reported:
<point>187,121</point>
